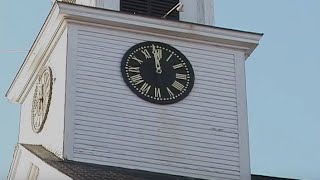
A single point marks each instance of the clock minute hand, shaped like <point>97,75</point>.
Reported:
<point>156,60</point>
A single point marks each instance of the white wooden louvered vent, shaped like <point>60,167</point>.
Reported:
<point>155,8</point>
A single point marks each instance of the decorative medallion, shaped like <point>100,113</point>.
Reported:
<point>157,72</point>
<point>41,99</point>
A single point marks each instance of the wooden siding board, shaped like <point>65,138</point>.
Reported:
<point>83,140</point>
<point>199,137</point>
<point>213,100</point>
<point>225,109</point>
<point>218,83</point>
<point>204,72</point>
<point>159,160</point>
<point>101,69</point>
<point>196,123</point>
<point>154,132</point>
<point>112,149</point>
<point>212,103</point>
<point>98,138</point>
<point>215,131</point>
<point>220,160</point>
<point>183,108</point>
<point>114,64</point>
<point>150,112</point>
<point>98,35</point>
<point>206,135</point>
<point>115,80</point>
<point>201,94</point>
<point>138,36</point>
<point>209,131</point>
<point>209,61</point>
<point>154,159</point>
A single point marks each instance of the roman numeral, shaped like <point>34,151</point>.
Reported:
<point>177,66</point>
<point>145,88</point>
<point>134,69</point>
<point>178,85</point>
<point>137,79</point>
<point>156,52</point>
<point>170,92</point>
<point>157,93</point>
<point>181,76</point>
<point>146,54</point>
<point>169,57</point>
<point>138,60</point>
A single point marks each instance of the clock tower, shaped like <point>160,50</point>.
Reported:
<point>133,89</point>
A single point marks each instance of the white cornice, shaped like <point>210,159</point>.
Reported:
<point>62,13</point>
<point>246,41</point>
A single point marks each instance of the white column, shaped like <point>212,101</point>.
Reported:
<point>105,4</point>
<point>108,4</point>
<point>198,11</point>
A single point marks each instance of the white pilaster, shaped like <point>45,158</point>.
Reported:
<point>200,11</point>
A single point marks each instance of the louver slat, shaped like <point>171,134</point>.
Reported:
<point>155,8</point>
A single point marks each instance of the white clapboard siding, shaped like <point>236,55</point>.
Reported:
<point>197,137</point>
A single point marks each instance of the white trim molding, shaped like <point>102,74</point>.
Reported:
<point>15,163</point>
<point>244,149</point>
<point>33,172</point>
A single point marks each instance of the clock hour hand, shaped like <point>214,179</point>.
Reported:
<point>157,56</point>
<point>158,66</point>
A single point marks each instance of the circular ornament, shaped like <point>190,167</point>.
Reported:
<point>41,99</point>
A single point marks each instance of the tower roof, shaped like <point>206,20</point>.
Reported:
<point>86,171</point>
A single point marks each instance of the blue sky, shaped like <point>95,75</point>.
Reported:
<point>283,74</point>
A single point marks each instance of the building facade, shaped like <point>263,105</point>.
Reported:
<point>130,89</point>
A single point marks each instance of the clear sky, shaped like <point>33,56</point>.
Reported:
<point>283,79</point>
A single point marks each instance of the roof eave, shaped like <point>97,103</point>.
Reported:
<point>15,90</point>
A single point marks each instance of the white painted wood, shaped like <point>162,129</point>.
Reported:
<point>15,163</point>
<point>198,11</point>
<point>70,93</point>
<point>114,125</point>
<point>105,4</point>
<point>52,134</point>
<point>25,161</point>
<point>91,3</point>
<point>109,4</point>
<point>243,117</point>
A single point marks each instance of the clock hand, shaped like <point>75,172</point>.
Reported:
<point>158,67</point>
<point>156,59</point>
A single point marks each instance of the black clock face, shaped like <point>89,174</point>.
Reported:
<point>157,72</point>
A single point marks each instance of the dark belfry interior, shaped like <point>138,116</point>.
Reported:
<point>155,8</point>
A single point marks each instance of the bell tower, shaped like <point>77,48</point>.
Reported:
<point>142,89</point>
<point>194,11</point>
